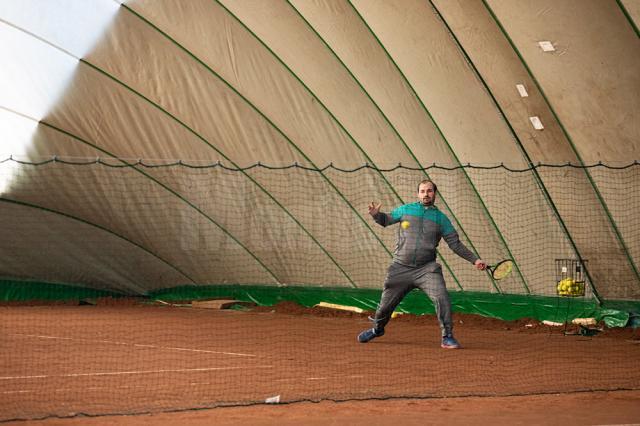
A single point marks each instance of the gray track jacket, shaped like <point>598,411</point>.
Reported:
<point>416,245</point>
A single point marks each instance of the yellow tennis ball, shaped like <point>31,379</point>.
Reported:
<point>405,224</point>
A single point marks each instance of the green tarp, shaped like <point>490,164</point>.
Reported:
<point>507,307</point>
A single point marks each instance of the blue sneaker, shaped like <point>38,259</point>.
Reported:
<point>449,342</point>
<point>369,334</point>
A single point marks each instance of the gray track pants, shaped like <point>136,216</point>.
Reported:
<point>402,279</point>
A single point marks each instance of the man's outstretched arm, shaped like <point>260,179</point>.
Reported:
<point>453,241</point>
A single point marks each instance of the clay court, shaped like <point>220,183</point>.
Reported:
<point>115,361</point>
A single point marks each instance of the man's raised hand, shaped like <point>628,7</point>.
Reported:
<point>374,208</point>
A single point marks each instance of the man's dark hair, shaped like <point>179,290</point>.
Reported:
<point>435,188</point>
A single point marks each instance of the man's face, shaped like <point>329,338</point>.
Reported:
<point>426,194</point>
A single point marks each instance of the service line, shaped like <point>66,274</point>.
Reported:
<point>136,345</point>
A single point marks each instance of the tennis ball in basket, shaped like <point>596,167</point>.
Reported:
<point>566,284</point>
<point>405,224</point>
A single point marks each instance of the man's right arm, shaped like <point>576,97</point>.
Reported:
<point>382,218</point>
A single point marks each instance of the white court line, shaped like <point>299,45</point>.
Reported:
<point>135,344</point>
<point>291,379</point>
<point>99,388</point>
<point>91,388</point>
<point>115,373</point>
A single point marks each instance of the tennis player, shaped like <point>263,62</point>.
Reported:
<point>414,261</point>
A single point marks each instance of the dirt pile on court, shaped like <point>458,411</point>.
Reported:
<point>462,321</point>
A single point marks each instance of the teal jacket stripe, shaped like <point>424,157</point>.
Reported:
<point>431,213</point>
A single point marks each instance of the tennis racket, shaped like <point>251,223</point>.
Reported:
<point>501,269</point>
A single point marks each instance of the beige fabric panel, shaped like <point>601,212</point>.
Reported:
<point>46,142</point>
<point>591,82</point>
<point>592,79</point>
<point>132,205</point>
<point>617,189</point>
<point>340,231</point>
<point>502,69</point>
<point>528,224</point>
<point>633,9</point>
<point>251,69</point>
<point>44,246</point>
<point>104,113</point>
<point>426,54</point>
<point>591,230</point>
<point>249,214</point>
<point>277,24</point>
<point>342,29</point>
<point>177,225</point>
<point>581,211</point>
<point>171,78</point>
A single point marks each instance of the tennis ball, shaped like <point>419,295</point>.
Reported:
<point>405,224</point>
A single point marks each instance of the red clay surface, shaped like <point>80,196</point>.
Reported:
<point>113,360</point>
<point>595,408</point>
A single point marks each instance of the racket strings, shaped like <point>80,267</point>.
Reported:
<point>502,270</point>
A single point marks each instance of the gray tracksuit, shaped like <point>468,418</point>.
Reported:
<point>414,260</point>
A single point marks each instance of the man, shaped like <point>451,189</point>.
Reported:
<point>414,261</point>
